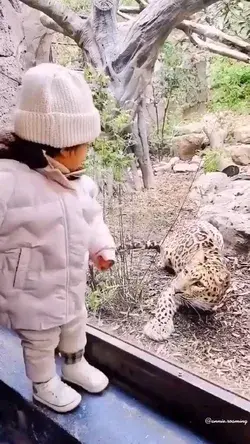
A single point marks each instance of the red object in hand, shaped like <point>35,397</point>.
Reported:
<point>102,264</point>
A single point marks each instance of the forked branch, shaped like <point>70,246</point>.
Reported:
<point>213,33</point>
<point>151,28</point>
<point>51,24</point>
<point>232,46</point>
<point>154,21</point>
<point>219,49</point>
<point>65,18</point>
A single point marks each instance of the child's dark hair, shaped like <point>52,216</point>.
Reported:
<point>29,153</point>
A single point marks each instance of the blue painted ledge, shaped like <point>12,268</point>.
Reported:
<point>111,418</point>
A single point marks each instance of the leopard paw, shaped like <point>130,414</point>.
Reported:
<point>157,331</point>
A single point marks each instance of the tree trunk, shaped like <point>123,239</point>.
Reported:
<point>38,39</point>
<point>142,148</point>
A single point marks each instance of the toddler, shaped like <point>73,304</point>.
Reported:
<point>51,225</point>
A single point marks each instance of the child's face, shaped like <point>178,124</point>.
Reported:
<point>75,158</point>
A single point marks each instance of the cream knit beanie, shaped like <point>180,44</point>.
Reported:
<point>56,108</point>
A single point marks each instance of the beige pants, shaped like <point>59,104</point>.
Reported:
<point>39,347</point>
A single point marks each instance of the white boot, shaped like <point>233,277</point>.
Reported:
<point>85,375</point>
<point>56,395</point>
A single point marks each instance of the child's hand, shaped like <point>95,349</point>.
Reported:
<point>102,264</point>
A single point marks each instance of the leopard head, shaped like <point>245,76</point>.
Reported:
<point>200,284</point>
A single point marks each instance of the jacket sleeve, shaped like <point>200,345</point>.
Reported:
<point>7,181</point>
<point>2,211</point>
<point>101,241</point>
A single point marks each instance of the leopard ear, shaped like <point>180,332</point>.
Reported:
<point>198,257</point>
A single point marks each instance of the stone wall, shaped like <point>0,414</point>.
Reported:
<point>12,51</point>
<point>24,42</point>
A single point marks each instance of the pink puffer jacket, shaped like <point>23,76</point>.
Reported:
<point>48,228</point>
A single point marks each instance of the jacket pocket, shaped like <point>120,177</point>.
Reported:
<point>22,267</point>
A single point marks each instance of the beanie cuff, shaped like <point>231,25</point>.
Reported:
<point>57,130</point>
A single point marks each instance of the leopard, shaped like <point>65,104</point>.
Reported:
<point>195,256</point>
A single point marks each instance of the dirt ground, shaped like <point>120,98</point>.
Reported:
<point>216,347</point>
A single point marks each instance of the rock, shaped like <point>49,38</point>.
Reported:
<point>163,166</point>
<point>197,159</point>
<point>240,153</point>
<point>166,166</point>
<point>226,166</point>
<point>242,134</point>
<point>210,183</point>
<point>234,228</point>
<point>225,203</point>
<point>216,129</point>
<point>191,128</point>
<point>23,42</point>
<point>185,147</point>
<point>11,53</point>
<point>184,167</point>
<point>174,160</point>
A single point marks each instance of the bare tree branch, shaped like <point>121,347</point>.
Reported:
<point>104,25</point>
<point>191,27</point>
<point>130,9</point>
<point>123,15</point>
<point>219,49</point>
<point>214,34</point>
<point>142,3</point>
<point>68,20</point>
<point>50,24</point>
<point>64,44</point>
<point>152,27</point>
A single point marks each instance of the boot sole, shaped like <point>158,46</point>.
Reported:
<point>59,409</point>
<point>97,390</point>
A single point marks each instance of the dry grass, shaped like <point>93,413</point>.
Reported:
<point>216,346</point>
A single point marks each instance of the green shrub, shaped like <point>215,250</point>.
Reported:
<point>230,85</point>
<point>236,17</point>
<point>119,291</point>
<point>102,299</point>
<point>211,158</point>
<point>83,6</point>
<point>111,148</point>
<point>167,94</point>
<point>113,289</point>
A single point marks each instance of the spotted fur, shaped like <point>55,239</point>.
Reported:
<point>195,255</point>
<point>137,245</point>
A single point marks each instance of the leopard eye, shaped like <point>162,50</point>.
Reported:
<point>199,284</point>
